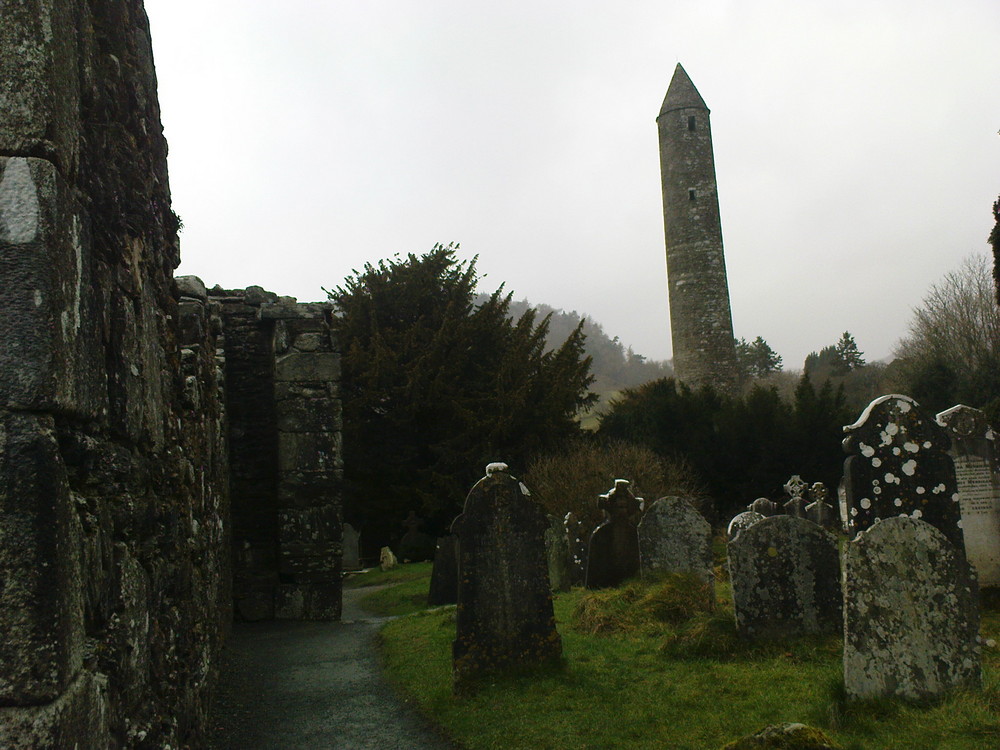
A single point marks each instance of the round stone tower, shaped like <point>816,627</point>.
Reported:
<point>701,321</point>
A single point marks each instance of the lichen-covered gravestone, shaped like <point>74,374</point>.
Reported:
<point>819,511</point>
<point>613,553</point>
<point>675,538</point>
<point>558,555</point>
<point>898,465</point>
<point>504,617</point>
<point>973,451</point>
<point>785,575</point>
<point>444,574</point>
<point>911,613</point>
<point>741,521</point>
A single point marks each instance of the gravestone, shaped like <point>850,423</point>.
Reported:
<point>785,575</point>
<point>796,504</point>
<point>819,511</point>
<point>504,616</point>
<point>415,544</point>
<point>613,553</point>
<point>386,559</point>
<point>351,546</point>
<point>578,539</point>
<point>898,465</point>
<point>973,451</point>
<point>558,555</point>
<point>675,538</point>
<point>764,506</point>
<point>444,574</point>
<point>911,613</point>
<point>741,521</point>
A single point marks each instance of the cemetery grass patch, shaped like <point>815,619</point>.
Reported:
<point>659,681</point>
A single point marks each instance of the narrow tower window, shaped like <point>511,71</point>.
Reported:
<point>692,123</point>
<point>691,194</point>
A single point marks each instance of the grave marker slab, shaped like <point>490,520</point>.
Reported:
<point>351,546</point>
<point>558,555</point>
<point>785,574</point>
<point>675,538</point>
<point>898,465</point>
<point>764,506</point>
<point>819,511</point>
<point>741,521</point>
<point>444,574</point>
<point>504,616</point>
<point>973,451</point>
<point>578,539</point>
<point>911,613</point>
<point>613,553</point>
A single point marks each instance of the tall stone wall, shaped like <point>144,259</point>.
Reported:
<point>114,567</point>
<point>283,399</point>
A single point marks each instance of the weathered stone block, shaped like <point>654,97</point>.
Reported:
<point>911,613</point>
<point>308,415</point>
<point>309,452</point>
<point>675,538</point>
<point>308,366</point>
<point>41,632</point>
<point>76,719</point>
<point>50,350</point>
<point>785,574</point>
<point>306,490</point>
<point>39,80</point>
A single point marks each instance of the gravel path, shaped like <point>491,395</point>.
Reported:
<point>290,685</point>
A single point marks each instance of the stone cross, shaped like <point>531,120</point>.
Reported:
<point>898,465</point>
<point>973,451</point>
<point>911,613</point>
<point>785,575</point>
<point>819,511</point>
<point>613,554</point>
<point>795,487</point>
<point>504,617</point>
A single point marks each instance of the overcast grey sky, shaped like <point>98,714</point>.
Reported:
<point>856,147</point>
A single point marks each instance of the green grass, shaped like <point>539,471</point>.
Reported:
<point>400,591</point>
<point>672,678</point>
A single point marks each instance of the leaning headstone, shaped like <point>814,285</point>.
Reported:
<point>765,507</point>
<point>351,546</point>
<point>558,555</point>
<point>911,613</point>
<point>973,451</point>
<point>613,553</point>
<point>898,465</point>
<point>819,511</point>
<point>785,575</point>
<point>444,574</point>
<point>577,537</point>
<point>675,538</point>
<point>504,616</point>
<point>741,521</point>
<point>796,504</point>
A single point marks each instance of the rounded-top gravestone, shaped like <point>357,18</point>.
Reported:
<point>741,521</point>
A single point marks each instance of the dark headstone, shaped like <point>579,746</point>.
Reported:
<point>898,465</point>
<point>415,544</point>
<point>741,521</point>
<point>504,617</point>
<point>613,553</point>
<point>785,575</point>
<point>578,538</point>
<point>765,507</point>
<point>911,613</point>
<point>973,451</point>
<point>351,546</point>
<point>558,555</point>
<point>675,538</point>
<point>444,574</point>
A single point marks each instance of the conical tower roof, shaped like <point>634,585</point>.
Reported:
<point>681,94</point>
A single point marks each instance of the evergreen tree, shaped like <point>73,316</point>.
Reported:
<point>848,354</point>
<point>436,386</point>
<point>756,359</point>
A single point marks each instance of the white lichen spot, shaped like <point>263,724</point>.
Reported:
<point>876,462</point>
<point>524,489</point>
<point>38,298</point>
<point>927,444</point>
<point>954,497</point>
<point>959,523</point>
<point>939,489</point>
<point>865,503</point>
<point>867,451</point>
<point>854,511</point>
<point>909,467</point>
<point>891,478</point>
<point>904,406</point>
<point>917,513</point>
<point>877,489</point>
<point>920,490</point>
<point>19,210</point>
<point>911,447</point>
<point>896,451</point>
<point>898,502</point>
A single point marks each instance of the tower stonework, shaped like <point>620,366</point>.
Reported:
<point>700,316</point>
